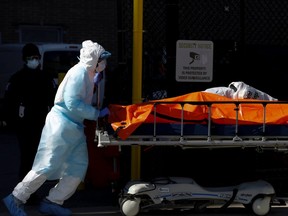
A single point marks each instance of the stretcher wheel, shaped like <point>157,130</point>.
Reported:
<point>130,206</point>
<point>261,206</point>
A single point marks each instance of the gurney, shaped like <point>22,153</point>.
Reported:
<point>199,120</point>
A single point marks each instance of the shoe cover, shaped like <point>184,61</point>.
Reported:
<point>53,209</point>
<point>14,206</point>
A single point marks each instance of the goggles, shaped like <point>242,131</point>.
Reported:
<point>104,55</point>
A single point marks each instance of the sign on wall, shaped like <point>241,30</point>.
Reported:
<point>194,61</point>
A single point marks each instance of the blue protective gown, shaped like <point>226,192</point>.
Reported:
<point>62,149</point>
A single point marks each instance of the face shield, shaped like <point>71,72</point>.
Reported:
<point>101,66</point>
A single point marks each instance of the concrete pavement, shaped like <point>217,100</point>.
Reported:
<point>114,211</point>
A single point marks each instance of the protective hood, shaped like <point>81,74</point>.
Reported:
<point>90,53</point>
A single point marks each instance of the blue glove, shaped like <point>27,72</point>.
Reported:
<point>104,112</point>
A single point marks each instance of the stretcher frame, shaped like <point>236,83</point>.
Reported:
<point>261,141</point>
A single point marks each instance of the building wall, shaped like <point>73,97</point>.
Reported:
<point>80,20</point>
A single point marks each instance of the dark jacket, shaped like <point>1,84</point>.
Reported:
<point>31,93</point>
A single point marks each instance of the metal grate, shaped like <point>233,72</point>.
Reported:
<point>250,39</point>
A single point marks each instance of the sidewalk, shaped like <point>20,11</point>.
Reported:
<point>114,211</point>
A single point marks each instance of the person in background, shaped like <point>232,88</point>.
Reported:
<point>28,98</point>
<point>62,151</point>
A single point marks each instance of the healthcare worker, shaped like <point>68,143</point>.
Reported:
<point>23,114</point>
<point>62,151</point>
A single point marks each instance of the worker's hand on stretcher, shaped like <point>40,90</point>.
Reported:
<point>104,112</point>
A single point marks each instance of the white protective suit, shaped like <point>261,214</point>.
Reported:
<point>223,91</point>
<point>62,152</point>
<point>240,90</point>
<point>244,91</point>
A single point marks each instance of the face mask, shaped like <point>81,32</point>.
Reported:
<point>33,64</point>
<point>101,66</point>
